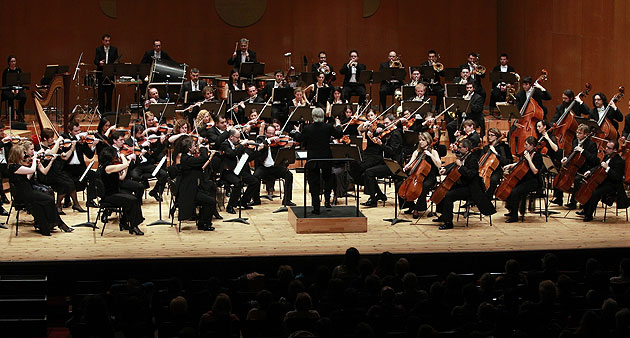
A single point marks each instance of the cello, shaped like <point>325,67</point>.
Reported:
<point>411,187</point>
<point>625,148</point>
<point>449,181</point>
<point>530,113</point>
<point>607,132</point>
<point>511,180</point>
<point>564,179</point>
<point>564,129</point>
<point>592,182</point>
<point>488,164</point>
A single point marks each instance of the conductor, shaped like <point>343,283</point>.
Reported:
<point>316,138</point>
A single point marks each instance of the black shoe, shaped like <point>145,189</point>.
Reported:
<point>315,212</point>
<point>580,212</point>
<point>217,216</point>
<point>511,220</point>
<point>446,226</point>
<point>78,208</point>
<point>91,204</point>
<point>370,203</point>
<point>205,227</point>
<point>381,197</point>
<point>408,211</point>
<point>155,195</point>
<point>135,231</point>
<point>571,206</point>
<point>4,199</point>
<point>44,231</point>
<point>416,214</point>
<point>327,205</point>
<point>439,219</point>
<point>588,218</point>
<point>66,203</point>
<point>246,207</point>
<point>65,228</point>
<point>230,210</point>
<point>60,212</point>
<point>123,225</point>
<point>257,202</point>
<point>290,204</point>
<point>3,212</point>
<point>507,215</point>
<point>557,201</point>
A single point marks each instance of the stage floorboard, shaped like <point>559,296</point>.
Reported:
<point>270,234</point>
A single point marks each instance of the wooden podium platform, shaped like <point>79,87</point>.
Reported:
<point>337,219</point>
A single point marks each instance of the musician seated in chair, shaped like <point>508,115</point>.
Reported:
<point>580,109</point>
<point>154,97</point>
<point>582,144</point>
<point>475,114</point>
<point>468,187</point>
<point>532,159</point>
<point>468,132</point>
<point>431,156</point>
<point>267,171</point>
<point>145,163</point>
<point>504,154</point>
<point>614,167</point>
<point>233,149</point>
<point>390,85</point>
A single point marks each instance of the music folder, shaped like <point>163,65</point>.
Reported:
<point>455,90</point>
<point>251,69</point>
<point>17,80</point>
<point>365,76</point>
<point>427,73</point>
<point>459,104</point>
<point>408,92</point>
<point>284,157</point>
<point>282,95</point>
<point>411,106</point>
<point>215,108</point>
<point>451,73</point>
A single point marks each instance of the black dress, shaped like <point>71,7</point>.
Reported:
<point>42,205</point>
<point>113,196</point>
<point>57,178</point>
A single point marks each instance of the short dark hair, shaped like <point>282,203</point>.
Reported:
<point>105,36</point>
<point>475,54</point>
<point>320,53</point>
<point>278,71</point>
<point>194,70</point>
<point>527,79</point>
<point>47,133</point>
<point>156,40</point>
<point>353,51</point>
<point>117,134</point>
<point>431,51</point>
<point>10,57</point>
<point>72,124</point>
<point>569,93</point>
<point>466,144</point>
<point>504,54</point>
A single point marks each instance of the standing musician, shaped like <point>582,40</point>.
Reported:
<point>312,91</point>
<point>475,113</point>
<point>498,92</point>
<point>10,94</point>
<point>194,85</point>
<point>391,148</point>
<point>530,182</point>
<point>144,165</point>
<point>582,144</point>
<point>235,83</point>
<point>612,184</point>
<point>351,71</point>
<point>323,67</point>
<point>156,53</point>
<point>75,164</point>
<point>433,158</point>
<point>504,154</point>
<point>316,138</point>
<point>136,188</point>
<point>21,169</point>
<point>435,85</point>
<point>113,172</point>
<point>599,107</point>
<point>372,155</point>
<point>241,54</point>
<point>233,148</point>
<point>539,94</point>
<point>580,109</point>
<point>469,186</point>
<point>389,86</point>
<point>105,55</point>
<point>473,61</point>
<point>267,171</point>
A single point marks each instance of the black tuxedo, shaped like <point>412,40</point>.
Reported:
<point>236,61</point>
<point>387,87</point>
<point>187,87</point>
<point>613,115</point>
<point>331,77</point>
<point>613,184</point>
<point>229,161</point>
<point>105,88</point>
<point>217,137</point>
<point>274,172</point>
<point>475,113</point>
<point>353,88</point>
<point>148,57</point>
<point>497,69</point>
<point>538,96</point>
<point>580,110</point>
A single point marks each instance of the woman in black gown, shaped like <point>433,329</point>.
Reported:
<point>21,170</point>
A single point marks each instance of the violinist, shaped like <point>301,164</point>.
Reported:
<point>4,155</point>
<point>469,186</point>
<point>180,128</point>
<point>193,109</point>
<point>580,109</point>
<point>203,123</point>
<point>235,83</point>
<point>390,85</point>
<point>503,153</point>
<point>75,163</point>
<point>136,188</point>
<point>614,166</point>
<point>112,172</point>
<point>599,108</point>
<point>42,206</point>
<point>233,148</point>
<point>582,144</point>
<point>253,125</point>
<point>351,71</point>
<point>539,93</point>
<point>372,155</point>
<point>530,182</point>
<point>312,91</point>
<point>267,170</point>
<point>433,158</point>
<point>142,168</point>
<point>468,132</point>
<point>348,117</point>
<point>391,147</point>
<point>103,131</point>
<point>217,134</point>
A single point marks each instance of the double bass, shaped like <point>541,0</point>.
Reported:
<point>530,113</point>
<point>607,132</point>
<point>564,129</point>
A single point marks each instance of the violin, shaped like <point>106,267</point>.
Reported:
<point>164,129</point>
<point>281,141</point>
<point>128,150</point>
<point>14,139</point>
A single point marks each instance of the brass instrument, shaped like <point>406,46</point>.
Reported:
<point>437,66</point>
<point>324,69</point>
<point>396,63</point>
<point>510,96</point>
<point>353,64</point>
<point>478,69</point>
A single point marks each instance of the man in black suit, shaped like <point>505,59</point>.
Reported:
<point>473,60</point>
<point>233,148</point>
<point>388,86</point>
<point>539,94</point>
<point>105,55</point>
<point>75,165</point>
<point>582,144</point>
<point>316,138</point>
<point>243,54</point>
<point>156,53</point>
<point>498,92</point>
<point>239,107</point>
<point>469,188</point>
<point>579,108</point>
<point>435,85</point>
<point>194,85</point>
<point>351,71</point>
<point>475,113</point>
<point>154,97</point>
<point>266,169</point>
<point>599,109</point>
<point>279,108</point>
<point>323,67</point>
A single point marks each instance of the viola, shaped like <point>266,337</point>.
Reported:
<point>530,113</point>
<point>14,139</point>
<point>564,129</point>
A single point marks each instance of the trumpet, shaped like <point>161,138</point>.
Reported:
<point>324,68</point>
<point>352,63</point>
<point>437,66</point>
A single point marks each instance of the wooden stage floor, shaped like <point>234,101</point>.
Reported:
<point>270,234</point>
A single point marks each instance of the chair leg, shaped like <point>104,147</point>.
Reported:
<point>9,215</point>
<point>180,226</point>
<point>17,221</point>
<point>605,209</point>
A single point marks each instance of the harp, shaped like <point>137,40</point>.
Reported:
<point>43,99</point>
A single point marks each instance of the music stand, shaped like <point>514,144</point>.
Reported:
<point>413,105</point>
<point>506,77</point>
<point>338,110</point>
<point>322,95</point>
<point>508,110</point>
<point>167,110</point>
<point>17,80</point>
<point>591,123</point>
<point>308,77</point>
<point>302,113</point>
<point>455,90</point>
<point>215,108</point>
<point>88,223</point>
<point>410,138</point>
<point>357,140</point>
<point>237,171</point>
<point>51,71</point>
<point>284,157</point>
<point>239,95</point>
<point>160,221</point>
<point>167,90</point>
<point>397,171</point>
<point>408,92</point>
<point>282,95</point>
<point>366,76</point>
<point>251,106</point>
<point>192,97</point>
<point>251,69</point>
<point>459,105</point>
<point>451,73</point>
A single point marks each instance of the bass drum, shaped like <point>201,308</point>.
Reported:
<point>163,71</point>
<point>222,87</point>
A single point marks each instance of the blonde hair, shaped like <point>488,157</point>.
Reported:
<point>199,119</point>
<point>427,137</point>
<point>421,86</point>
<point>17,153</point>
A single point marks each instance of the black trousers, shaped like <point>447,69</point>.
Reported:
<point>518,195</point>
<point>143,171</point>
<point>208,207</point>
<point>601,191</point>
<point>370,175</point>
<point>130,206</point>
<point>135,188</point>
<point>75,171</point>
<point>354,89</point>
<point>105,92</point>
<point>275,172</point>
<point>315,182</point>
<point>252,191</point>
<point>386,90</point>
<point>428,183</point>
<point>438,91</point>
<point>7,95</point>
<point>495,179</point>
<point>446,205</point>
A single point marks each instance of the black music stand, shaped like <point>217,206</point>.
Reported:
<point>338,110</point>
<point>16,81</point>
<point>160,221</point>
<point>167,90</point>
<point>408,92</point>
<point>455,90</point>
<point>251,106</point>
<point>51,71</point>
<point>308,77</point>
<point>366,76</point>
<point>357,140</point>
<point>251,70</point>
<point>413,105</point>
<point>192,97</point>
<point>505,77</point>
<point>166,110</point>
<point>215,108</point>
<point>427,73</point>
<point>239,167</point>
<point>323,94</point>
<point>591,123</point>
<point>282,95</point>
<point>238,96</point>
<point>388,74</point>
<point>88,223</point>
<point>451,73</point>
<point>410,138</point>
<point>302,113</point>
<point>285,157</point>
<point>396,171</point>
<point>508,110</point>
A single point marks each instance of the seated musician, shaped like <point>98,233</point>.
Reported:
<point>615,168</point>
<point>103,132</point>
<point>21,169</point>
<point>530,182</point>
<point>312,91</point>
<point>468,132</point>
<point>144,165</point>
<point>4,155</point>
<point>389,86</point>
<point>433,159</point>
<point>235,83</point>
<point>75,164</point>
<point>299,99</point>
<point>351,71</point>
<point>537,91</point>
<point>498,92</point>
<point>420,90</point>
<point>10,94</point>
<point>113,171</point>
<point>469,186</point>
<point>323,67</point>
<point>336,98</point>
<point>504,154</point>
<point>278,108</point>
<point>136,188</point>
<point>253,97</point>
<point>464,77</point>
<point>472,61</point>
<point>208,96</point>
<point>415,77</point>
<point>242,54</point>
<point>203,123</point>
<point>154,97</point>
<point>341,177</point>
<point>233,148</point>
<point>475,113</point>
<point>599,108</point>
<point>180,128</point>
<point>217,134</point>
<point>582,144</point>
<point>580,109</point>
<point>267,171</point>
<point>391,148</point>
<point>550,148</point>
<point>193,188</point>
<point>155,54</point>
<point>435,87</point>
<point>194,85</point>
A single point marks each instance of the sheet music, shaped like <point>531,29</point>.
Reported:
<point>241,164</point>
